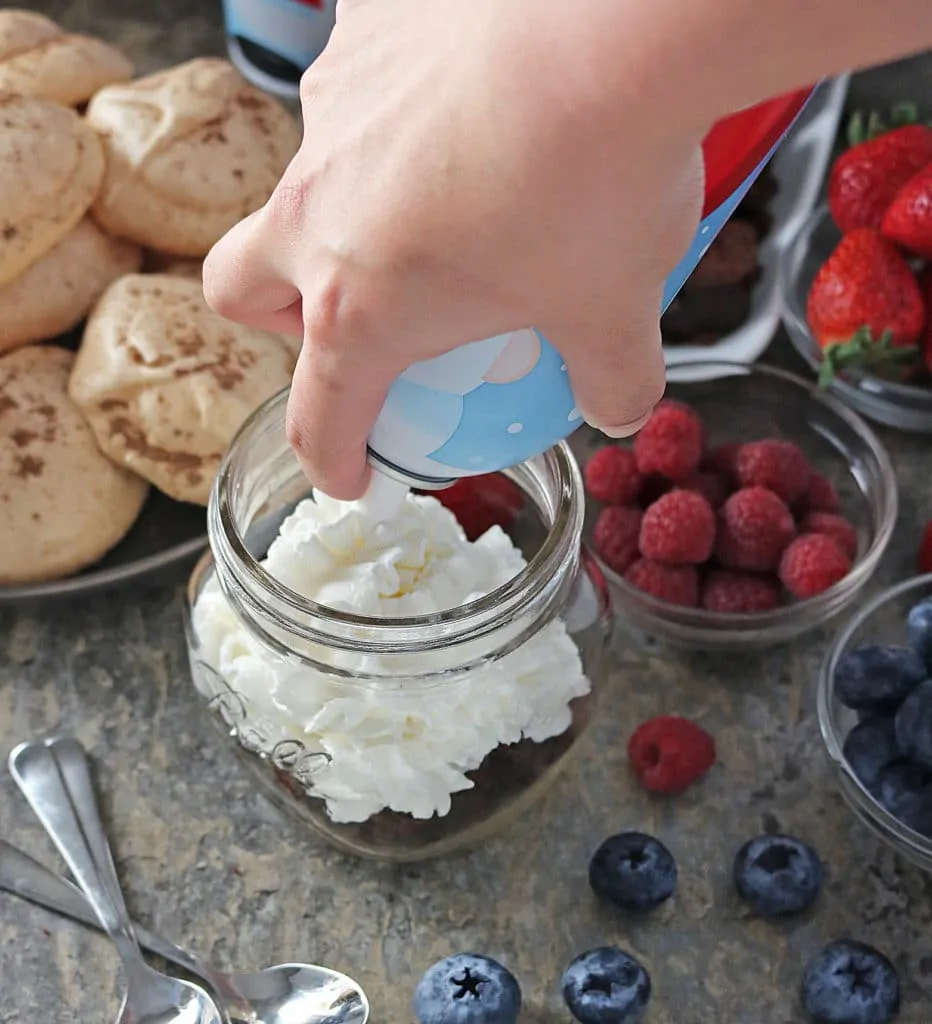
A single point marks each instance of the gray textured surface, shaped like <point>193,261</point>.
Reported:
<point>207,861</point>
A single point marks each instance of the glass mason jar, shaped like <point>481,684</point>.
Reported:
<point>404,738</point>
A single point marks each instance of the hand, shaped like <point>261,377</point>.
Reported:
<point>468,167</point>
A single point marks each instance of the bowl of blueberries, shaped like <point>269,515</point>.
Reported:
<point>875,714</point>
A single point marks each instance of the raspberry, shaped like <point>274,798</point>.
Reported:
<point>612,476</point>
<point>675,584</point>
<point>723,460</point>
<point>780,466</point>
<point>739,592</point>
<point>678,528</point>
<point>811,564</point>
<point>821,496</point>
<point>838,528</point>
<point>712,486</point>
<point>669,753</point>
<point>925,550</point>
<point>615,536</point>
<point>481,502</point>
<point>671,441</point>
<point>754,528</point>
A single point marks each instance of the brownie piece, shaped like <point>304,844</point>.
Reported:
<point>730,258</point>
<point>706,311</point>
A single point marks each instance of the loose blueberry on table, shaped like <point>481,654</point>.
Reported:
<point>850,983</point>
<point>606,986</point>
<point>467,989</point>
<point>633,871</point>
<point>777,875</point>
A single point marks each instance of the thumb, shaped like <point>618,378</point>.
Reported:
<point>617,373</point>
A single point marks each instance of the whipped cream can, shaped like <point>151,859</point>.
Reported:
<point>273,42</point>
<point>491,404</point>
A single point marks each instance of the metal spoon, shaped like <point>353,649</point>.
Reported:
<point>151,997</point>
<point>331,997</point>
<point>283,994</point>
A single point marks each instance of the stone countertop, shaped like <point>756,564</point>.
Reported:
<point>209,862</point>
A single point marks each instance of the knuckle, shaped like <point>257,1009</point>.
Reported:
<point>285,210</point>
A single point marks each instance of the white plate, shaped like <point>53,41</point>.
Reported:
<point>799,167</point>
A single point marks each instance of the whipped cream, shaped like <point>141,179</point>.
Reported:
<point>407,747</point>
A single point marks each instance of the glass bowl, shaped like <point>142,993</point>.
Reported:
<point>902,406</point>
<point>738,402</point>
<point>881,620</point>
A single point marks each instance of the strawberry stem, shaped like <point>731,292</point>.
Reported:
<point>864,128</point>
<point>863,352</point>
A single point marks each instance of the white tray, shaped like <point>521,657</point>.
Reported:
<point>799,167</point>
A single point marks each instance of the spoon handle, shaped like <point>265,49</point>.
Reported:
<point>32,881</point>
<point>51,775</point>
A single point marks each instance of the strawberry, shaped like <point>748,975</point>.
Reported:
<point>865,178</point>
<point>864,306</point>
<point>908,220</point>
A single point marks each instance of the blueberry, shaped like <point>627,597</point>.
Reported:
<point>850,983</point>
<point>919,630</point>
<point>903,789</point>
<point>878,678</point>
<point>467,989</point>
<point>914,725</point>
<point>606,986</point>
<point>870,747</point>
<point>777,875</point>
<point>633,870</point>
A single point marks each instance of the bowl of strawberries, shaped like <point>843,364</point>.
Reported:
<point>751,508</point>
<point>856,281</point>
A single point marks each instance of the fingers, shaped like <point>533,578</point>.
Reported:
<point>336,397</point>
<point>617,374</point>
<point>243,281</point>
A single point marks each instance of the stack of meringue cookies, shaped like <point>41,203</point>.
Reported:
<point>112,190</point>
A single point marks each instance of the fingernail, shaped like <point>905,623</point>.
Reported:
<point>622,429</point>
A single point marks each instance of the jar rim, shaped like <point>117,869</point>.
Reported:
<point>321,624</point>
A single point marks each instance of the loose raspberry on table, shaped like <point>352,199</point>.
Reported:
<point>678,528</point>
<point>671,442</point>
<point>712,486</point>
<point>924,558</point>
<point>669,753</point>
<point>821,496</point>
<point>723,460</point>
<point>738,593</point>
<point>754,528</point>
<point>615,536</point>
<point>481,502</point>
<point>812,564</point>
<point>612,476</point>
<point>780,466</point>
<point>675,584</point>
<point>841,530</point>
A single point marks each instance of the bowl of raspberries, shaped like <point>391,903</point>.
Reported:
<point>750,508</point>
<point>856,282</point>
<point>875,714</point>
